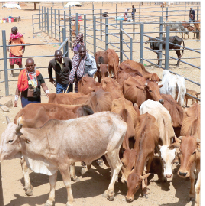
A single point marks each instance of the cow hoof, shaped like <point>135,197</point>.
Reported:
<point>75,179</point>
<point>192,199</point>
<point>48,203</point>
<point>100,162</point>
<point>110,198</point>
<point>83,170</point>
<point>105,193</point>
<point>29,191</point>
<point>67,204</point>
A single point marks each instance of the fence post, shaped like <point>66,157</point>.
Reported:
<point>39,16</point>
<point>85,29</point>
<point>167,49</point>
<point>160,37</point>
<point>64,18</point>
<point>116,13</point>
<point>197,12</point>
<point>59,25</point>
<point>1,190</point>
<point>141,42</point>
<point>131,49</point>
<point>106,33</point>
<point>48,21</point>
<point>5,63</point>
<point>70,26</point>
<point>94,35</point>
<point>45,18</point>
<point>101,23</point>
<point>51,21</point>
<point>42,19</point>
<point>76,24</point>
<point>65,48</point>
<point>93,10</point>
<point>121,42</point>
<point>166,13</point>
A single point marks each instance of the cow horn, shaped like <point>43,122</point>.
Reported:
<point>7,119</point>
<point>19,126</point>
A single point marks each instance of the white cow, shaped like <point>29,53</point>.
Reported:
<point>58,143</point>
<point>166,132</point>
<point>173,85</point>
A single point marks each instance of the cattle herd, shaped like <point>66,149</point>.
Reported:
<point>129,116</point>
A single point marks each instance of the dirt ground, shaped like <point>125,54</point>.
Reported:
<point>89,189</point>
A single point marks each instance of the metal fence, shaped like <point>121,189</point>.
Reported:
<point>97,30</point>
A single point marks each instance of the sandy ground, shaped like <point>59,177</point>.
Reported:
<point>88,191</point>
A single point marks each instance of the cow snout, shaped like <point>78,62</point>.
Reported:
<point>168,175</point>
<point>129,199</point>
<point>161,101</point>
<point>183,174</point>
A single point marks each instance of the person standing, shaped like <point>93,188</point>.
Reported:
<point>62,66</point>
<point>28,86</point>
<point>133,12</point>
<point>191,15</point>
<point>16,51</point>
<point>83,64</point>
<point>77,43</point>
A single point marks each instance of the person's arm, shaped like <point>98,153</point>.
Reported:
<point>93,69</point>
<point>23,42</point>
<point>8,44</point>
<point>17,94</point>
<point>50,66</point>
<point>45,88</point>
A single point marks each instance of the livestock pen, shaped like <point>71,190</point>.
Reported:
<point>127,38</point>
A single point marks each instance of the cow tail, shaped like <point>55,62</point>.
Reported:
<point>183,47</point>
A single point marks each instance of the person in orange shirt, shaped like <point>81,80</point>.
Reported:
<point>16,51</point>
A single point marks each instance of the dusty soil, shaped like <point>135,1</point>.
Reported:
<point>88,191</point>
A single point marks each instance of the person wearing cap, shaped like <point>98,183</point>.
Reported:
<point>191,15</point>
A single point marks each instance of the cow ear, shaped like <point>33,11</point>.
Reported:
<point>144,176</point>
<point>7,120</point>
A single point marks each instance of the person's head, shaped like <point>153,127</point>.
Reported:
<point>58,55</point>
<point>82,51</point>
<point>191,8</point>
<point>133,6</point>
<point>14,30</point>
<point>80,37</point>
<point>30,66</point>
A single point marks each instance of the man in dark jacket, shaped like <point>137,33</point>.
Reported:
<point>62,67</point>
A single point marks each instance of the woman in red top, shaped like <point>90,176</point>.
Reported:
<point>16,51</point>
<point>28,86</point>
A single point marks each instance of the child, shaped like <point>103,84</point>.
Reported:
<point>17,51</point>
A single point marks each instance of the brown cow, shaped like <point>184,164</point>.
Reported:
<point>100,101</point>
<point>111,85</point>
<point>64,98</point>
<point>35,115</point>
<point>101,72</point>
<point>175,111</point>
<point>131,64</point>
<point>191,121</point>
<point>190,160</point>
<point>187,97</point>
<point>123,75</point>
<point>138,89</point>
<point>87,85</point>
<point>74,28</point>
<point>147,136</point>
<point>130,116</point>
<point>109,57</point>
<point>197,29</point>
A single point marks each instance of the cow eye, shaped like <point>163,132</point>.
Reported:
<point>193,152</point>
<point>10,141</point>
<point>150,90</point>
